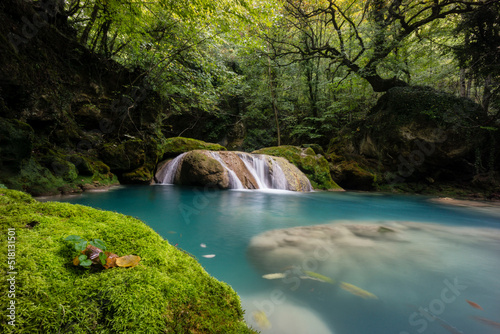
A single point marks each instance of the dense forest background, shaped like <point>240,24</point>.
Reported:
<point>94,78</point>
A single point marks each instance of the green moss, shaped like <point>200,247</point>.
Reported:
<point>352,176</point>
<point>139,175</point>
<point>16,140</point>
<point>177,145</point>
<point>168,292</point>
<point>34,179</point>
<point>315,166</point>
<point>124,156</point>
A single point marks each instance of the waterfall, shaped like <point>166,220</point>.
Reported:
<point>166,175</point>
<point>267,178</point>
<point>234,181</point>
<point>244,171</point>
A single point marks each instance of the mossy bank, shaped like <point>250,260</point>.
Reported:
<point>168,292</point>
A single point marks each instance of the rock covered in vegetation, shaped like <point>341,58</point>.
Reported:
<point>198,168</point>
<point>177,145</point>
<point>351,175</point>
<point>315,166</point>
<point>16,139</point>
<point>417,133</point>
<point>168,291</point>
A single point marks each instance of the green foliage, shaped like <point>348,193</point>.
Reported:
<point>168,292</point>
<point>80,244</point>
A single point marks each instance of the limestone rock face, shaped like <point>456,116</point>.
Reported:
<point>199,169</point>
<point>233,162</point>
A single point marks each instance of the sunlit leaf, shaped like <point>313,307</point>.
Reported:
<point>128,261</point>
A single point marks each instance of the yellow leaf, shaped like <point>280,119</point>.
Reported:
<point>357,291</point>
<point>128,261</point>
<point>261,319</point>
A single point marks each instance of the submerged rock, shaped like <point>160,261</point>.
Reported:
<point>283,317</point>
<point>377,256</point>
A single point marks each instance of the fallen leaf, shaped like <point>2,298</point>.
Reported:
<point>319,277</point>
<point>474,305</point>
<point>128,261</point>
<point>274,276</point>
<point>489,322</point>
<point>110,260</point>
<point>357,291</point>
<point>92,253</point>
<point>261,319</point>
<point>209,256</point>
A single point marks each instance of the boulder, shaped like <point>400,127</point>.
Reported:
<point>197,168</point>
<point>234,163</point>
<point>123,157</point>
<point>313,165</point>
<point>177,145</point>
<point>416,133</point>
<point>350,175</point>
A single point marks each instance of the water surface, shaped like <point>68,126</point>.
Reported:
<point>422,283</point>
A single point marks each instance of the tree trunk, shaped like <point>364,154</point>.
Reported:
<point>487,94</point>
<point>463,87</point>
<point>380,84</point>
<point>85,34</point>
<point>273,100</point>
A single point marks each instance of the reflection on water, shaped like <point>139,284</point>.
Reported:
<point>427,266</point>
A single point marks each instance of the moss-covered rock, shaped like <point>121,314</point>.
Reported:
<point>350,175</point>
<point>168,292</point>
<point>417,133</point>
<point>124,156</point>
<point>315,166</point>
<point>198,169</point>
<point>16,142</point>
<point>140,175</point>
<point>35,179</point>
<point>177,145</point>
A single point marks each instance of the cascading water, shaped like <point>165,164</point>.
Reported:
<point>234,181</point>
<point>267,178</point>
<point>167,174</point>
<point>245,171</point>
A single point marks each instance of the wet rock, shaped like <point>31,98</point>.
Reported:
<point>315,166</point>
<point>199,169</point>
